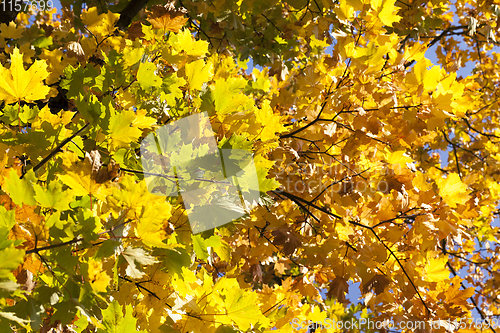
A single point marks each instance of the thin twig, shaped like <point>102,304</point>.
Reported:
<point>56,150</point>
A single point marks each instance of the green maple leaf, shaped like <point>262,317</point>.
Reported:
<point>242,309</point>
<point>10,259</point>
<point>115,322</point>
<point>21,190</point>
<point>52,196</point>
<point>146,76</point>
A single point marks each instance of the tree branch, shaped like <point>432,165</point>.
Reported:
<point>56,150</point>
<point>128,13</point>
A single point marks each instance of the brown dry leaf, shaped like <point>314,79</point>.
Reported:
<point>321,277</point>
<point>287,239</point>
<point>167,17</point>
<point>20,232</point>
<point>6,201</point>
<point>107,173</point>
<point>337,289</point>
<point>75,50</point>
<point>25,279</point>
<point>378,283</point>
<point>100,173</point>
<point>256,272</point>
<point>47,28</point>
<point>135,31</point>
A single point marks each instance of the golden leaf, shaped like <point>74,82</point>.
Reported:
<point>167,17</point>
<point>17,84</point>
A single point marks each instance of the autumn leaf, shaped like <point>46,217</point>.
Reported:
<point>137,255</point>
<point>286,238</point>
<point>98,279</point>
<point>338,289</point>
<point>197,72</point>
<point>435,269</point>
<point>184,42</point>
<point>242,309</point>
<point>21,190</point>
<point>453,190</point>
<point>167,17</point>
<point>378,283</point>
<point>17,84</point>
<point>11,30</point>
<point>122,130</point>
<point>385,10</point>
<point>146,75</point>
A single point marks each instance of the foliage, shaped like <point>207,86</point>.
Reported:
<point>344,117</point>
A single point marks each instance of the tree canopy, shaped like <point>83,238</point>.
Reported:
<point>372,149</point>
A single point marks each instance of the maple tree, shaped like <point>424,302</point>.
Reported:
<point>344,116</point>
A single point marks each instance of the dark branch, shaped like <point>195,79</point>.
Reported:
<point>56,150</point>
<point>9,14</point>
<point>128,13</point>
<point>49,247</point>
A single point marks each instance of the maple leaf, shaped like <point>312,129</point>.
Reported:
<point>150,225</point>
<point>453,190</point>
<point>146,75</point>
<point>270,122</point>
<point>198,73</point>
<point>184,42</point>
<point>241,308</point>
<point>11,30</point>
<point>121,129</point>
<point>17,84</point>
<point>435,270</point>
<point>378,283</point>
<point>102,24</point>
<point>167,17</point>
<point>286,238</point>
<point>80,176</point>
<point>338,289</point>
<point>98,279</point>
<point>114,320</point>
<point>385,10</point>
<point>140,256</point>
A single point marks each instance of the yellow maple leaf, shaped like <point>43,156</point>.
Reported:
<point>183,41</point>
<point>198,73</point>
<point>11,30</point>
<point>121,129</point>
<point>397,157</point>
<point>453,190</point>
<point>150,225</point>
<point>98,279</point>
<point>99,23</point>
<point>79,177</point>
<point>385,11</point>
<point>17,84</point>
<point>270,122</point>
<point>435,270</point>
